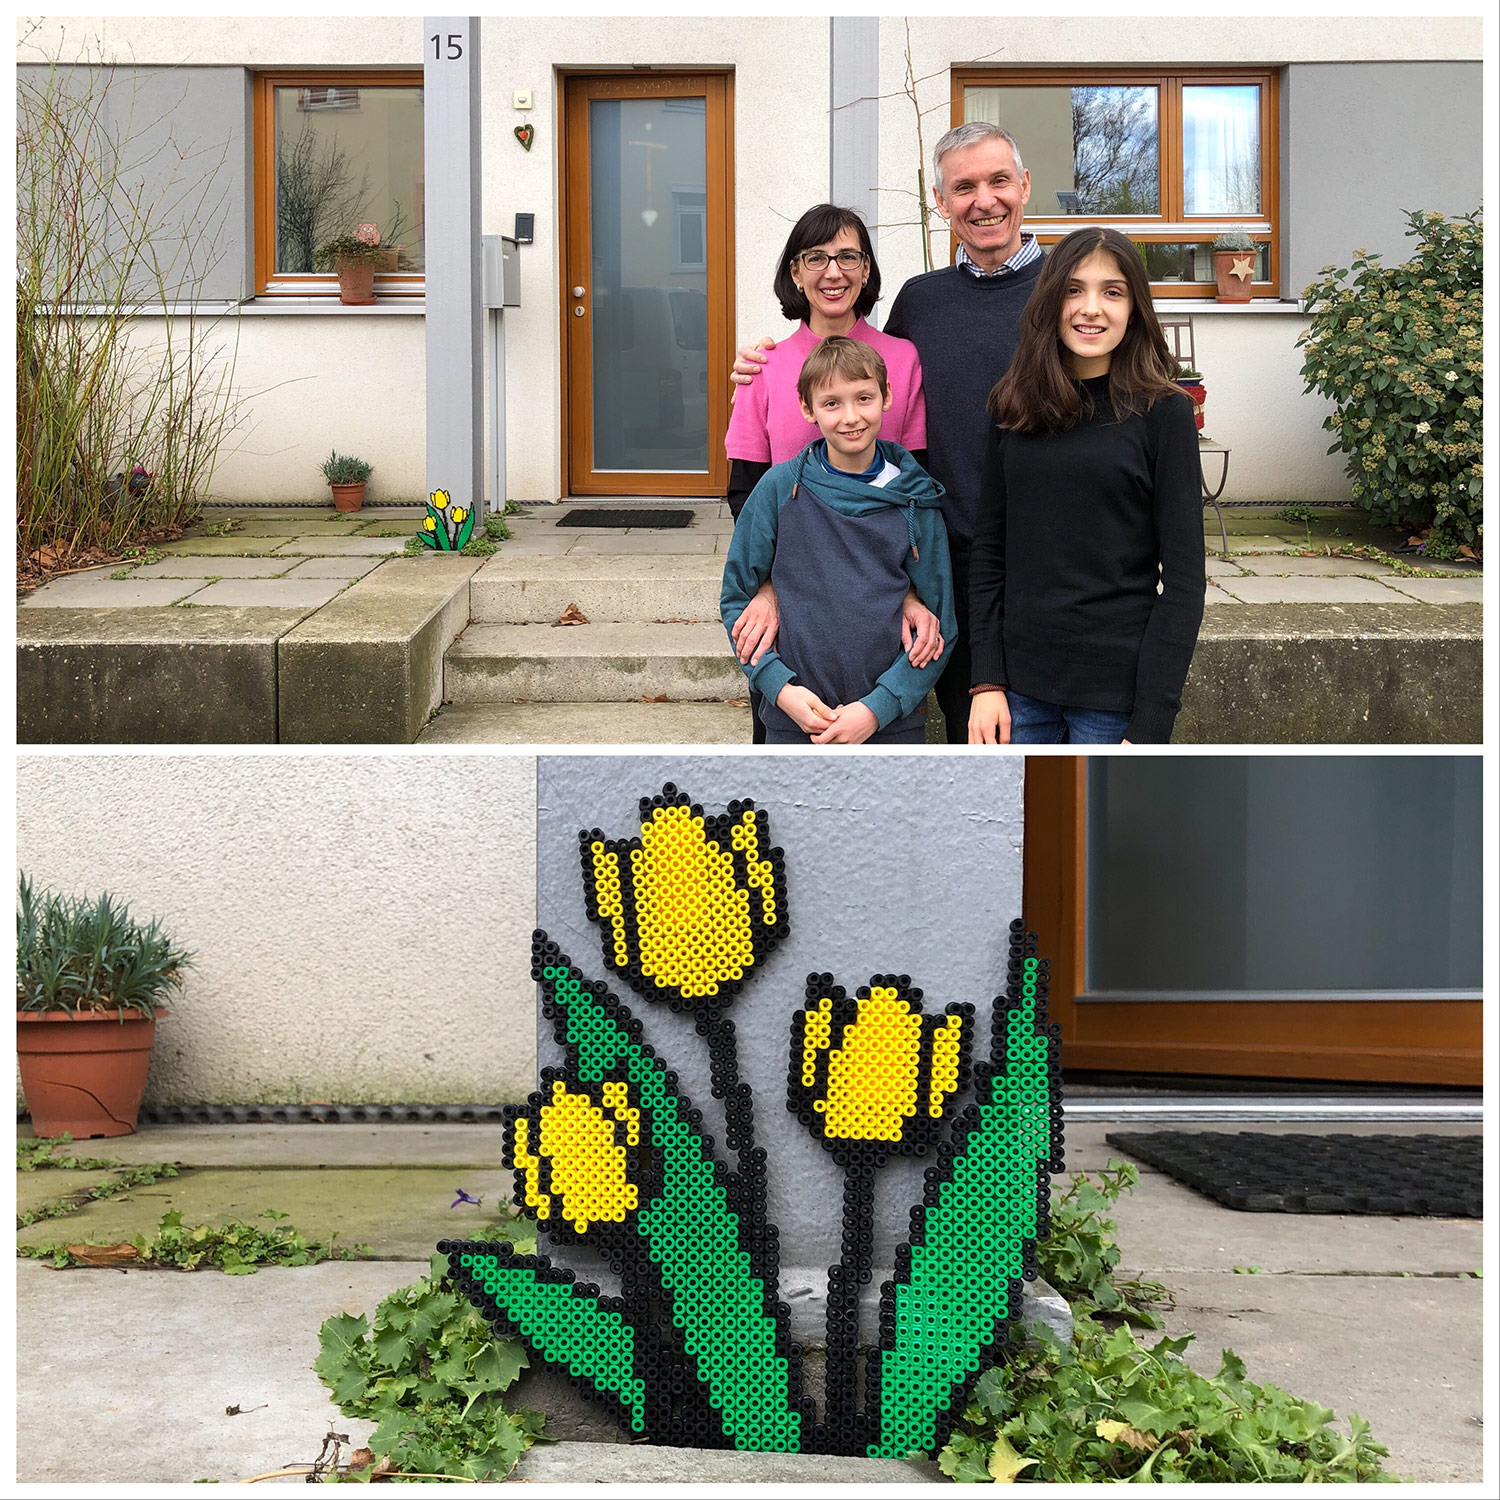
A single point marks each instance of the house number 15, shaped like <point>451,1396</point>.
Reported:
<point>454,40</point>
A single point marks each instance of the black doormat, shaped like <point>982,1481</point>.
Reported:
<point>623,518</point>
<point>1440,1175</point>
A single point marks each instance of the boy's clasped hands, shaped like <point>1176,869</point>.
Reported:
<point>848,724</point>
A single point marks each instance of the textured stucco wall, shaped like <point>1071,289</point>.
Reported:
<point>1419,127</point>
<point>894,864</point>
<point>362,923</point>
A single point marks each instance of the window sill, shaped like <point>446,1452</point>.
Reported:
<point>319,307</point>
<point>1208,305</point>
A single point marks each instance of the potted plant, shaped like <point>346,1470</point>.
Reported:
<point>1234,264</point>
<point>346,478</point>
<point>90,983</point>
<point>354,260</point>
<point>1191,381</point>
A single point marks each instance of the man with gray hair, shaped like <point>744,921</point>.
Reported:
<point>965,320</point>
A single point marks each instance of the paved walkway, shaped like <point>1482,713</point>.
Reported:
<point>303,558</point>
<point>1374,1315</point>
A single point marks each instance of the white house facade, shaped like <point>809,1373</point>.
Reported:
<point>659,161</point>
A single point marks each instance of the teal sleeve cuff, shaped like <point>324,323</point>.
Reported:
<point>769,675</point>
<point>883,703</point>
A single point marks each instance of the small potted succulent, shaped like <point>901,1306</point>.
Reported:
<point>90,983</point>
<point>1235,255</point>
<point>354,257</point>
<point>346,478</point>
<point>1191,381</point>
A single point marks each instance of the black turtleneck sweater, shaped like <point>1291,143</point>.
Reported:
<point>1063,578</point>
<point>966,329</point>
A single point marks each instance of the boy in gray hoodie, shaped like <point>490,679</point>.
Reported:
<point>843,530</point>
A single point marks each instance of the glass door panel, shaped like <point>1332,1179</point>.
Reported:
<point>646,302</point>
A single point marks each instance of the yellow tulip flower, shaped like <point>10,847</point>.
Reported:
<point>874,1075</point>
<point>458,514</point>
<point>440,499</point>
<point>576,1156</point>
<point>691,907</point>
<point>430,524</point>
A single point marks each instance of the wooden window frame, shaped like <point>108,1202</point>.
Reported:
<point>1435,1042</point>
<point>320,284</point>
<point>1171,225</point>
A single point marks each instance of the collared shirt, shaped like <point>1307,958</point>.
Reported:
<point>1023,257</point>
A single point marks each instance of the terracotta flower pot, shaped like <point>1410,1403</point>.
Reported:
<point>356,281</point>
<point>1233,288</point>
<point>85,1073</point>
<point>1194,388</point>
<point>348,496</point>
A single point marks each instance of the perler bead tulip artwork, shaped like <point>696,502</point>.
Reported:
<point>446,527</point>
<point>697,1349</point>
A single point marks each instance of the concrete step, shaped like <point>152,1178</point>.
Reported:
<point>612,663</point>
<point>589,724</point>
<point>520,590</point>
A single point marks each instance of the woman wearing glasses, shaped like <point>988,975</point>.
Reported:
<point>827,280</point>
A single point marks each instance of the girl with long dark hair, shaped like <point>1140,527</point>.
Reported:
<point>1087,578</point>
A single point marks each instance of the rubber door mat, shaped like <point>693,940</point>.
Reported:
<point>622,519</point>
<point>1439,1175</point>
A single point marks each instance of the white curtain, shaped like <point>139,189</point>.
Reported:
<point>1221,149</point>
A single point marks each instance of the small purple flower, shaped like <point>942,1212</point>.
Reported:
<point>463,1197</point>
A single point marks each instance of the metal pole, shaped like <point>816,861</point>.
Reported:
<point>455,375</point>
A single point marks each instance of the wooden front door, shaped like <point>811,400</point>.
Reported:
<point>647,288</point>
<point>1401,1035</point>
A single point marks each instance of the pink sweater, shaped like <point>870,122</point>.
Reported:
<point>766,424</point>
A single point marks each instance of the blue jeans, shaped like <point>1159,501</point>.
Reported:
<point>1033,722</point>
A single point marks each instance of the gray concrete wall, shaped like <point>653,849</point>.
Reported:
<point>894,863</point>
<point>1363,142</point>
<point>184,160</point>
<point>362,923</point>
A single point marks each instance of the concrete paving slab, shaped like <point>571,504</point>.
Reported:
<point>346,568</point>
<point>399,1212</point>
<point>148,676</point>
<point>643,1463</point>
<point>194,566</point>
<point>343,546</point>
<point>1307,590</point>
<point>37,1189</point>
<point>529,590</point>
<point>1261,541</point>
<point>1216,567</point>
<point>220,546</point>
<point>1293,565</point>
<point>368,667</point>
<point>97,590</point>
<point>589,724</point>
<point>1166,1228</point>
<point>1352,674</point>
<point>530,544</point>
<point>668,543</point>
<point>308,525</point>
<point>1405,1354</point>
<point>1214,594</point>
<point>618,663</point>
<point>1439,590</point>
<point>438,1145</point>
<point>278,593</point>
<point>125,1377</point>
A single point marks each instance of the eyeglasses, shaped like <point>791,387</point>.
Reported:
<point>815,260</point>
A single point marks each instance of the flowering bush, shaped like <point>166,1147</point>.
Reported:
<point>1399,351</point>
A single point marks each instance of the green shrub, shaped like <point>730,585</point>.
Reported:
<point>84,954</point>
<point>1399,350</point>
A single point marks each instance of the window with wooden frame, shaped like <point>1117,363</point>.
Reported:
<point>335,151</point>
<point>1169,158</point>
